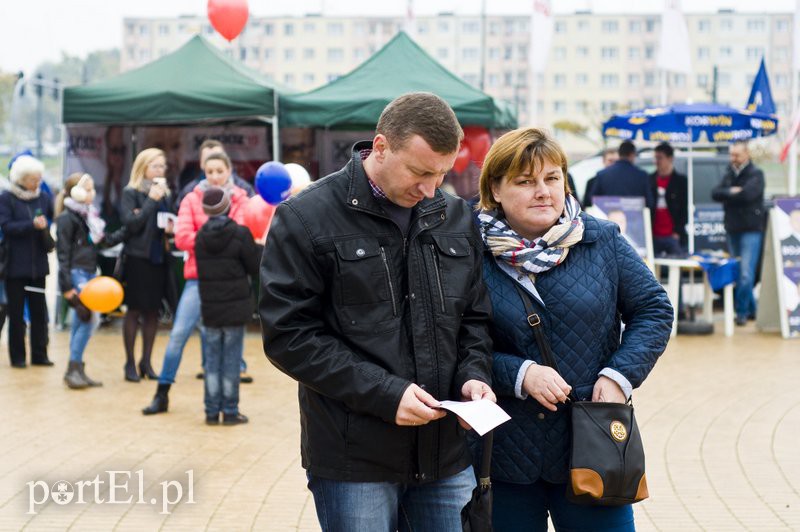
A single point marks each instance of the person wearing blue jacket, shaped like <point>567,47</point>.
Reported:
<point>584,280</point>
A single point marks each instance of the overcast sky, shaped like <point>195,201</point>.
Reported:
<point>38,30</point>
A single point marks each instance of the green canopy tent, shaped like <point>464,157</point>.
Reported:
<point>196,83</point>
<point>355,101</point>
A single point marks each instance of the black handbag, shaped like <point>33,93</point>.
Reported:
<point>476,516</point>
<point>606,463</point>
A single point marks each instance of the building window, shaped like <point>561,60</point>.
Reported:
<point>471,26</point>
<point>144,30</point>
<point>581,80</point>
<point>650,25</point>
<point>726,24</point>
<point>679,81</point>
<point>522,51</point>
<point>269,29</point>
<point>559,53</point>
<point>163,29</point>
<point>255,52</point>
<point>335,54</point>
<point>144,55</point>
<point>724,79</point>
<point>469,54</point>
<point>583,25</point>
<point>442,53</point>
<point>754,53</point>
<point>635,26</point>
<point>649,79</point>
<point>781,54</point>
<point>609,53</point>
<point>243,54</point>
<point>649,51</point>
<point>130,28</point>
<point>782,25</point>
<point>494,80</point>
<point>443,26</point>
<point>333,77</point>
<point>582,107</point>
<point>634,52</point>
<point>703,25</point>
<point>308,78</point>
<point>268,53</point>
<point>755,25</point>
<point>508,52</point>
<point>288,29</point>
<point>608,107</point>
<point>422,28</point>
<point>725,52</point>
<point>610,26</point>
<point>359,29</point>
<point>559,107</point>
<point>582,52</point>
<point>559,80</point>
<point>704,52</point>
<point>781,80</point>
<point>702,80</point>
<point>508,79</point>
<point>308,53</point>
<point>309,27</point>
<point>634,80</point>
<point>359,54</point>
<point>335,29</point>
<point>131,53</point>
<point>472,79</point>
<point>288,79</point>
<point>288,54</point>
<point>609,81</point>
<point>495,53</point>
<point>560,27</point>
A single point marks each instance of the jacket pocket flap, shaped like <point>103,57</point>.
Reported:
<point>452,246</point>
<point>357,249</point>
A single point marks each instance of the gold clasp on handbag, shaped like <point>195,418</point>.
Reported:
<point>533,320</point>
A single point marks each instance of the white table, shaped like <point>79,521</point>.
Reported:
<point>673,292</point>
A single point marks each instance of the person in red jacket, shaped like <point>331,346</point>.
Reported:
<point>218,170</point>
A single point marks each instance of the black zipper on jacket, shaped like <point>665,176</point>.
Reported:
<point>438,277</point>
<point>389,279</point>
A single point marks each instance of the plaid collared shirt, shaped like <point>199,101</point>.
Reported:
<point>376,190</point>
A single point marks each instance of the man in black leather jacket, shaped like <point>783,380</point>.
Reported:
<point>372,299</point>
<point>742,195</point>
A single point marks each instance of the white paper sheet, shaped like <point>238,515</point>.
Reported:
<point>482,415</point>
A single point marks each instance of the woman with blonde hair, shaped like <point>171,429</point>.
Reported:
<point>145,267</point>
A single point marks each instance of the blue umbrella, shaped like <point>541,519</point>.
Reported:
<point>684,124</point>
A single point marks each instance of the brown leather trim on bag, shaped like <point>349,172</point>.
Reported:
<point>642,493</point>
<point>587,481</point>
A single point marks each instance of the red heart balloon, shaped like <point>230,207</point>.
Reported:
<point>228,17</point>
<point>462,159</point>
<point>479,141</point>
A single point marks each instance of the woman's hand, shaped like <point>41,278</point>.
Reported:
<point>157,192</point>
<point>544,384</point>
<point>69,293</point>
<point>607,391</point>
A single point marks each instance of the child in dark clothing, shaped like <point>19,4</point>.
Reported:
<point>226,258</point>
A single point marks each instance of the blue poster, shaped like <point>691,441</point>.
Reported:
<point>787,229</point>
<point>628,214</point>
<point>709,228</point>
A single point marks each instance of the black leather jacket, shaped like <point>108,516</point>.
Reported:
<point>356,311</point>
<point>744,211</point>
<point>138,213</point>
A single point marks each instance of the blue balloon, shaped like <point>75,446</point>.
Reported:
<point>273,182</point>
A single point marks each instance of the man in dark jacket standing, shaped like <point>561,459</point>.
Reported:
<point>742,195</point>
<point>372,299</point>
<point>623,178</point>
<point>670,216</point>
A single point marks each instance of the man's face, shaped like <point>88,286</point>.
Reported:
<point>794,220</point>
<point>664,163</point>
<point>739,156</point>
<point>411,173</point>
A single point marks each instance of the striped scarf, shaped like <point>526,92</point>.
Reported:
<point>537,255</point>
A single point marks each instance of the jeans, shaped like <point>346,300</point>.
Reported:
<point>524,507</point>
<point>18,296</point>
<point>81,330</point>
<point>187,318</point>
<point>666,246</point>
<point>385,506</point>
<point>746,246</point>
<point>223,349</point>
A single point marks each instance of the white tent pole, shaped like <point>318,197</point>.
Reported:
<point>793,148</point>
<point>691,194</point>
<point>276,142</point>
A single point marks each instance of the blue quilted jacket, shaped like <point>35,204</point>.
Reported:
<point>601,281</point>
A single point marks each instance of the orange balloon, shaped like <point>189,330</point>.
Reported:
<point>102,294</point>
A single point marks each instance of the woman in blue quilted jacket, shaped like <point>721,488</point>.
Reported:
<point>584,280</point>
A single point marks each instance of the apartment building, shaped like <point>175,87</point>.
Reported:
<point>598,63</point>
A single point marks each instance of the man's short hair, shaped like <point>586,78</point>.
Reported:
<point>210,143</point>
<point>423,114</point>
<point>626,149</point>
<point>666,148</point>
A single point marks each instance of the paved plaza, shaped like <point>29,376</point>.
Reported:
<point>720,419</point>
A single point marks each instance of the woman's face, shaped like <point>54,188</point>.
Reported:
<point>217,173</point>
<point>156,168</point>
<point>532,203</point>
<point>31,182</point>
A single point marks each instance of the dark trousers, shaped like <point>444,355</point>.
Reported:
<point>37,309</point>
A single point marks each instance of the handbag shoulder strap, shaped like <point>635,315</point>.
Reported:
<point>536,324</point>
